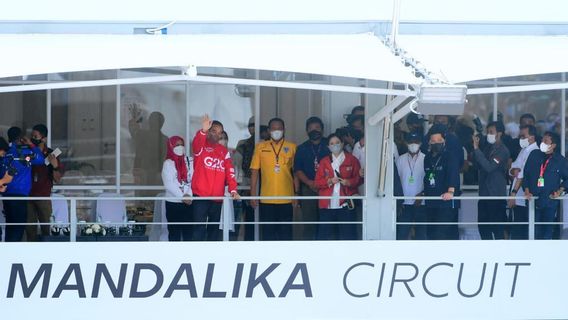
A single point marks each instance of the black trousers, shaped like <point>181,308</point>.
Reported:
<point>248,214</point>
<point>178,212</point>
<point>16,211</point>
<point>337,231</point>
<point>276,213</point>
<point>491,211</point>
<point>206,211</point>
<point>448,229</point>
<point>520,231</point>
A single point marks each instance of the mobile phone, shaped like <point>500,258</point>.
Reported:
<point>350,204</point>
<point>55,153</point>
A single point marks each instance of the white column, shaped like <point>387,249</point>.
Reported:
<point>379,214</point>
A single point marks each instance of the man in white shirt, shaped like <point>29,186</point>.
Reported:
<point>520,212</point>
<point>411,171</point>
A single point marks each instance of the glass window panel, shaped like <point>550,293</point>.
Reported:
<point>83,127</point>
<point>150,113</point>
<point>22,109</point>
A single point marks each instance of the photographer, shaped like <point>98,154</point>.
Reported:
<point>43,178</point>
<point>19,158</point>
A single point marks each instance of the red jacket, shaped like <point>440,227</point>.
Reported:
<point>212,168</point>
<point>349,170</point>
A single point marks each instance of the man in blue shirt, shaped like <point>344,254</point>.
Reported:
<point>546,177</point>
<point>306,162</point>
<point>21,155</point>
<point>441,179</point>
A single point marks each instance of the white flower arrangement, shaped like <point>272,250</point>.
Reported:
<point>95,230</point>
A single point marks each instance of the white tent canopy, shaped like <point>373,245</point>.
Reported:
<point>460,59</point>
<point>357,56</point>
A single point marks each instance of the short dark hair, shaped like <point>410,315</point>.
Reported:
<point>14,133</point>
<point>4,144</point>
<point>334,135</point>
<point>357,108</point>
<point>438,129</point>
<point>498,126</point>
<point>554,137</point>
<point>527,116</point>
<point>276,120</point>
<point>224,133</point>
<point>41,128</point>
<point>531,129</point>
<point>342,132</point>
<point>312,120</point>
<point>216,123</point>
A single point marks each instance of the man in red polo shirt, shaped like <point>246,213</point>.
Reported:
<point>212,170</point>
<point>43,178</point>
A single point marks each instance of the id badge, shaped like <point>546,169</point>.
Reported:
<point>432,181</point>
<point>411,180</point>
<point>540,182</point>
<point>277,168</point>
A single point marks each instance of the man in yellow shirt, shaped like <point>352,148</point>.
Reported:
<point>274,161</point>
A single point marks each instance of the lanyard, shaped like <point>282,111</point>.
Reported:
<point>316,153</point>
<point>413,166</point>
<point>277,154</point>
<point>544,166</point>
<point>431,174</point>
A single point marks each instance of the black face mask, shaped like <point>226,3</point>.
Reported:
<point>437,147</point>
<point>314,135</point>
<point>37,142</point>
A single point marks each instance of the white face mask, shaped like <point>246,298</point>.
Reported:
<point>524,143</point>
<point>276,135</point>
<point>179,150</point>
<point>336,148</point>
<point>413,148</point>
<point>544,147</point>
<point>491,138</point>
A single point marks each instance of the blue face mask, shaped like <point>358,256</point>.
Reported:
<point>335,148</point>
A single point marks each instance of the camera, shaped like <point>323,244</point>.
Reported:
<point>478,125</point>
<point>24,156</point>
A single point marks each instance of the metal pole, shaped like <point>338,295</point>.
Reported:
<point>73,221</point>
<point>48,117</point>
<point>495,102</point>
<point>256,140</point>
<point>226,213</point>
<point>117,143</point>
<point>563,118</point>
<point>531,218</point>
<point>394,22</point>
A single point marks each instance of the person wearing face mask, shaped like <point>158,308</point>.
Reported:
<point>306,163</point>
<point>273,161</point>
<point>43,178</point>
<point>213,169</point>
<point>441,179</point>
<point>546,177</point>
<point>411,172</point>
<point>177,173</point>
<point>527,143</point>
<point>452,142</point>
<point>492,162</point>
<point>22,155</point>
<point>526,119</point>
<point>337,176</point>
